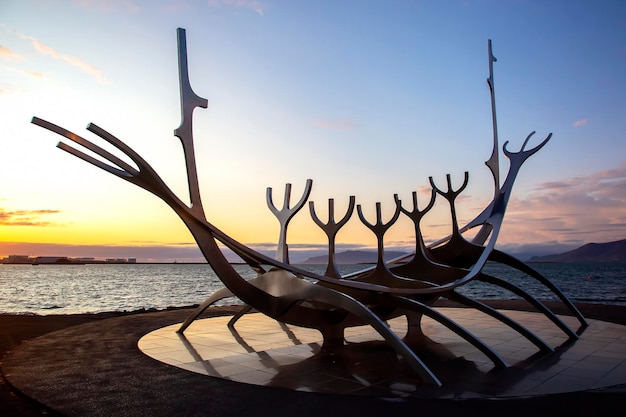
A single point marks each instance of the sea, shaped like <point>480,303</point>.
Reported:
<point>73,289</point>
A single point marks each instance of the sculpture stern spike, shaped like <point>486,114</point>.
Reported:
<point>188,102</point>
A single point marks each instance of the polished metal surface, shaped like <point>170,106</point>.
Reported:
<point>331,303</point>
<point>263,352</point>
<point>331,228</point>
<point>284,216</point>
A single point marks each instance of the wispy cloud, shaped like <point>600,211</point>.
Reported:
<point>110,5</point>
<point>41,48</point>
<point>25,217</point>
<point>9,55</point>
<point>254,5</point>
<point>581,209</point>
<point>88,68</point>
<point>336,124</point>
<point>73,61</point>
<point>33,74</point>
<point>174,6</point>
<point>555,216</point>
<point>12,87</point>
<point>580,123</point>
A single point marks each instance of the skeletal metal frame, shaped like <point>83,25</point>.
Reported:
<point>330,302</point>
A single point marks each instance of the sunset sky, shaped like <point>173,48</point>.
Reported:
<point>367,98</point>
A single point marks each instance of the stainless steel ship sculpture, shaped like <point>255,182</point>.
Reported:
<point>331,303</point>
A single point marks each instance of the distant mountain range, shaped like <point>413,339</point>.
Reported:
<point>353,257</point>
<point>591,252</point>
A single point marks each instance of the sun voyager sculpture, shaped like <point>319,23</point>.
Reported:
<point>331,302</point>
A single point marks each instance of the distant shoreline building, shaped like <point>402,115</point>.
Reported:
<point>61,260</point>
<point>17,259</point>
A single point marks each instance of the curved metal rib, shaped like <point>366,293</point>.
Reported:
<point>513,262</point>
<point>532,300</point>
<point>213,298</point>
<point>455,327</point>
<point>532,337</point>
<point>282,284</point>
<point>245,309</point>
<point>361,311</point>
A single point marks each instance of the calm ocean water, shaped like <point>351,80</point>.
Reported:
<point>27,289</point>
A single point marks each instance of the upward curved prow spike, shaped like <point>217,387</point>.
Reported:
<point>188,102</point>
<point>524,154</point>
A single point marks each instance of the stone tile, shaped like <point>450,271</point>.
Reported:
<point>263,352</point>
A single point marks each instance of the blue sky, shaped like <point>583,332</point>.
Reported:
<point>367,98</point>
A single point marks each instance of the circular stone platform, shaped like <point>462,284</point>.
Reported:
<point>97,369</point>
<point>261,351</point>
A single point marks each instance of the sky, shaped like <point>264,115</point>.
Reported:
<point>367,98</point>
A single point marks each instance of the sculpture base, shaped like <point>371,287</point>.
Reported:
<point>261,351</point>
<point>97,369</point>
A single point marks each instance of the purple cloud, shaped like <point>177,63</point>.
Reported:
<point>336,124</point>
<point>25,217</point>
<point>592,206</point>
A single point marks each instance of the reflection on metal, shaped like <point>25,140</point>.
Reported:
<point>381,274</point>
<point>285,215</point>
<point>331,229</point>
<point>330,302</point>
<point>184,132</point>
<point>493,162</point>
